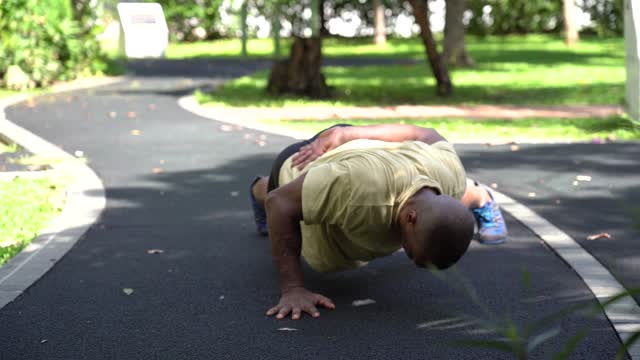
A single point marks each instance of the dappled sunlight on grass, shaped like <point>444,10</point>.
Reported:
<point>396,48</point>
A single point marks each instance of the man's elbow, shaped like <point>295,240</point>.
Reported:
<point>278,204</point>
<point>430,136</point>
<point>271,202</point>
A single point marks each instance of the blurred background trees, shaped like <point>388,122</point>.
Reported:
<point>47,40</point>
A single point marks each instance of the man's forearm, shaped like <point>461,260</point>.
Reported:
<point>286,245</point>
<point>391,132</point>
<point>283,221</point>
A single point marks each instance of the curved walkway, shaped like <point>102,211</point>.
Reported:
<point>173,269</point>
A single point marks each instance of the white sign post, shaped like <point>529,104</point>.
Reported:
<point>632,57</point>
<point>145,30</point>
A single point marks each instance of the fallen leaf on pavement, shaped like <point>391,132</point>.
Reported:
<point>261,143</point>
<point>157,170</point>
<point>363,302</point>
<point>155,251</point>
<point>234,193</point>
<point>247,136</point>
<point>152,107</point>
<point>127,291</point>
<point>221,297</point>
<point>263,137</point>
<point>515,147</point>
<point>43,341</point>
<point>494,186</point>
<point>78,153</point>
<point>287,329</point>
<point>135,132</point>
<point>226,128</point>
<point>113,114</point>
<point>575,182</point>
<point>599,236</point>
<point>531,194</point>
<point>131,114</point>
<point>586,178</point>
<point>162,162</point>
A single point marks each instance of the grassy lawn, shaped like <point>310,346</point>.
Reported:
<point>532,70</point>
<point>8,148</point>
<point>7,93</point>
<point>26,206</point>
<point>500,130</point>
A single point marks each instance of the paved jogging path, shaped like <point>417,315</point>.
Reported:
<point>176,182</point>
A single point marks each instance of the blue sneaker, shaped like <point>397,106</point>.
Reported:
<point>259,213</point>
<point>492,229</point>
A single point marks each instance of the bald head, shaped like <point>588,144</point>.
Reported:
<point>436,229</point>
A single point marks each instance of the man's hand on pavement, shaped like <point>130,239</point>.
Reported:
<point>298,300</point>
<point>326,141</point>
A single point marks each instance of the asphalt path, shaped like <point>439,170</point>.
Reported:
<point>179,183</point>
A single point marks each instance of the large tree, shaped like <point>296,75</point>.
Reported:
<point>300,74</point>
<point>438,66</point>
<point>455,51</point>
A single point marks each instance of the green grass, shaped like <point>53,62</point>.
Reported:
<point>4,93</point>
<point>498,130</point>
<point>8,148</point>
<point>394,48</point>
<point>532,70</point>
<point>26,206</point>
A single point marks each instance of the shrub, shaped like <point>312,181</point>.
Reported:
<point>607,16</point>
<point>502,17</point>
<point>46,42</point>
<point>190,20</point>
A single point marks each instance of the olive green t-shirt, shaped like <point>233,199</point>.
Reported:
<point>351,197</point>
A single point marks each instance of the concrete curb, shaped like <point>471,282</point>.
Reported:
<point>624,314</point>
<point>85,201</point>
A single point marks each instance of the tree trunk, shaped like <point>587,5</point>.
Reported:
<point>439,68</point>
<point>570,26</point>
<point>455,51</point>
<point>300,74</point>
<point>380,26</point>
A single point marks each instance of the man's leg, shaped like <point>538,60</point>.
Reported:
<point>492,229</point>
<point>259,189</point>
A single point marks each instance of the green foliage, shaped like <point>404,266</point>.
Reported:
<point>607,16</point>
<point>187,19</point>
<point>502,17</point>
<point>46,42</point>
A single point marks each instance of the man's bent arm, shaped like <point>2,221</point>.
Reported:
<point>391,133</point>
<point>336,136</point>
<point>284,213</point>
